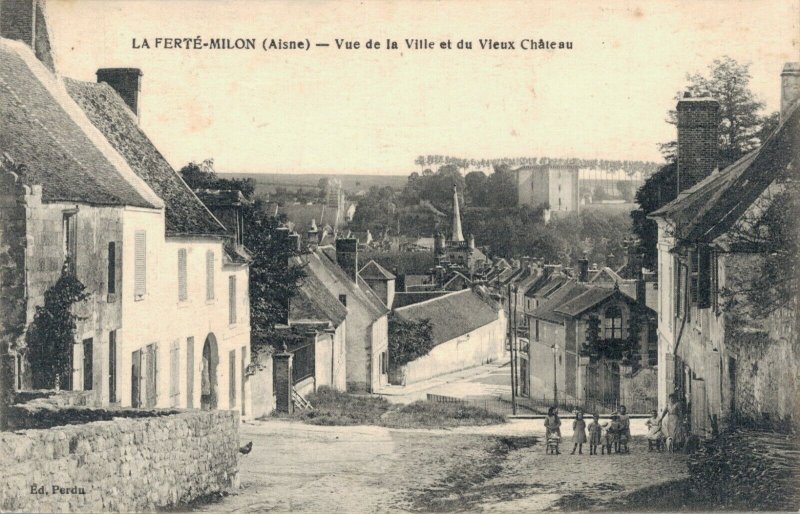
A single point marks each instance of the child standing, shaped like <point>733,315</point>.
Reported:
<point>578,433</point>
<point>552,425</point>
<point>595,432</point>
<point>654,434</point>
<point>625,428</point>
<point>613,434</point>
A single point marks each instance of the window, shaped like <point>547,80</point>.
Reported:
<point>694,276</point>
<point>140,265</point>
<point>536,335</point>
<point>70,240</point>
<point>704,278</point>
<point>112,366</point>
<point>183,293</point>
<point>242,374</point>
<point>715,282</point>
<point>232,379</point>
<point>190,372</point>
<point>231,299</point>
<point>112,268</point>
<point>151,368</point>
<point>384,363</point>
<point>174,374</point>
<point>136,379</point>
<point>343,299</point>
<point>209,275</point>
<point>88,372</point>
<point>613,323</point>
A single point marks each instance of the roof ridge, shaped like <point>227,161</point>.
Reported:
<point>433,299</point>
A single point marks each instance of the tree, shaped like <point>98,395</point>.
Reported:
<point>625,188</point>
<point>203,176</point>
<point>476,187</point>
<point>51,335</point>
<point>658,190</point>
<point>408,340</point>
<point>740,123</point>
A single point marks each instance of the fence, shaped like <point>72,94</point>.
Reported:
<point>600,406</point>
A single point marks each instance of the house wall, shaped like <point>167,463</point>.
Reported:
<point>181,324</point>
<point>482,345</point>
<point>45,255</point>
<point>13,225</point>
<point>540,361</point>
<point>261,387</point>
<point>380,344</point>
<point>666,312</point>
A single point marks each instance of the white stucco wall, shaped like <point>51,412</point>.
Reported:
<point>482,345</point>
<point>159,317</point>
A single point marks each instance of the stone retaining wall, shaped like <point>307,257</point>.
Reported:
<point>121,465</point>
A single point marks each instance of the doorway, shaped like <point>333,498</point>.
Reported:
<point>208,378</point>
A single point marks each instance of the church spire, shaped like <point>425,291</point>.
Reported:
<point>457,234</point>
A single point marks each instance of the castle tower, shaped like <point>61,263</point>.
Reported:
<point>457,234</point>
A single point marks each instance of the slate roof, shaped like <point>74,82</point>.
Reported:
<point>313,303</point>
<point>185,214</point>
<point>407,263</point>
<point>547,310</point>
<point>373,270</point>
<point>710,208</point>
<point>42,129</point>
<point>452,315</point>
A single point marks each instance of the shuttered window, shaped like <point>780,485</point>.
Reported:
<point>209,275</point>
<point>231,299</point>
<point>112,268</point>
<point>140,265</point>
<point>704,278</point>
<point>174,374</point>
<point>183,293</point>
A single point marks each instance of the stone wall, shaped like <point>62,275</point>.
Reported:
<point>12,275</point>
<point>121,465</point>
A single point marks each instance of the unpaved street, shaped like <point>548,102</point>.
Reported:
<point>308,468</point>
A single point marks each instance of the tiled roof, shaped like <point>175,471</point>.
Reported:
<point>185,213</point>
<point>402,299</point>
<point>457,282</point>
<point>375,271</point>
<point>452,315</point>
<point>712,206</point>
<point>407,263</point>
<point>314,303</point>
<point>42,129</point>
<point>320,259</point>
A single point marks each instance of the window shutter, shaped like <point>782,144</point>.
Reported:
<point>209,275</point>
<point>182,289</point>
<point>704,278</point>
<point>231,299</point>
<point>174,379</point>
<point>140,264</point>
<point>112,268</point>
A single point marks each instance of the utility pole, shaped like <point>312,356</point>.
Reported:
<point>514,356</point>
<point>511,347</point>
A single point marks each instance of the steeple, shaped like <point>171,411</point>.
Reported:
<point>457,234</point>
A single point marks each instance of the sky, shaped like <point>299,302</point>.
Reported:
<point>373,111</point>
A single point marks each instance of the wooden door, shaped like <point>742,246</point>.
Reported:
<point>136,379</point>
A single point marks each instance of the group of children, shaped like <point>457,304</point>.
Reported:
<point>613,435</point>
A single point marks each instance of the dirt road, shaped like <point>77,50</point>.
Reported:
<point>297,467</point>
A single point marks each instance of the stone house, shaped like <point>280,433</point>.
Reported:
<point>367,352</point>
<point>167,321</point>
<point>723,362</point>
<point>558,328</point>
<point>469,329</point>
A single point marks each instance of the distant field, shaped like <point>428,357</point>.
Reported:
<point>268,182</point>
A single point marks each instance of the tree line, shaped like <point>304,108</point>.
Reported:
<point>630,167</point>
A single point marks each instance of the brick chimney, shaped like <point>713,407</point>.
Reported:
<point>26,21</point>
<point>790,86</point>
<point>698,127</point>
<point>583,269</point>
<point>347,256</point>
<point>127,82</point>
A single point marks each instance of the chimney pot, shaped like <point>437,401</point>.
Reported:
<point>127,82</point>
<point>790,86</point>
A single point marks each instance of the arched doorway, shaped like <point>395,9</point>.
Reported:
<point>208,374</point>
